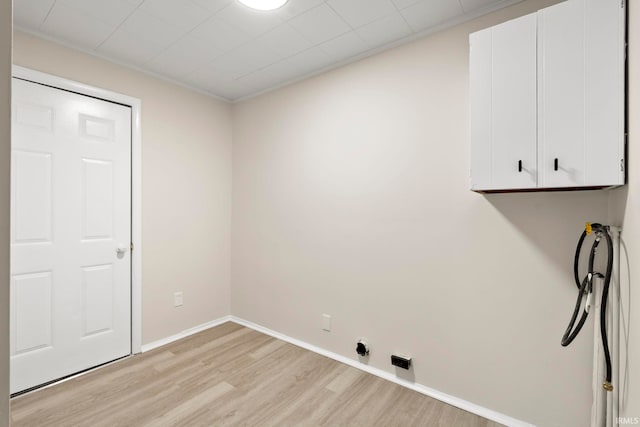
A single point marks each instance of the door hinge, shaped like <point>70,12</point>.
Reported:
<point>131,247</point>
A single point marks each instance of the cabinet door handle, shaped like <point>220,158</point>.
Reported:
<point>555,164</point>
<point>519,165</point>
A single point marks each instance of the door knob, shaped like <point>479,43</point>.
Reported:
<point>121,250</point>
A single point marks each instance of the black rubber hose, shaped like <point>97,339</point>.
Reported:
<point>569,336</point>
<point>576,259</point>
<point>603,305</point>
<point>587,286</point>
<point>584,288</point>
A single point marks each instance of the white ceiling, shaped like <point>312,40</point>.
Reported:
<point>230,51</point>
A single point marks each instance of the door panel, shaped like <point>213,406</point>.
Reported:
<point>32,311</point>
<point>71,204</point>
<point>480,71</point>
<point>514,104</point>
<point>36,116</point>
<point>97,299</point>
<point>32,200</point>
<point>503,94</point>
<point>604,92</point>
<point>97,198</point>
<point>562,100</point>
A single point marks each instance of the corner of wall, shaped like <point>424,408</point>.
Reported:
<point>5,173</point>
<point>624,210</point>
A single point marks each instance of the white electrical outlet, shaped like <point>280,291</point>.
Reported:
<point>326,322</point>
<point>177,299</point>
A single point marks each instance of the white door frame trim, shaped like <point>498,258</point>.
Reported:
<point>136,180</point>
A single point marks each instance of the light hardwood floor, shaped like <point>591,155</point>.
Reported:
<point>232,376</point>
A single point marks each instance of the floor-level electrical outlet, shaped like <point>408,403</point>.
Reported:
<point>326,322</point>
<point>177,299</point>
<point>403,362</point>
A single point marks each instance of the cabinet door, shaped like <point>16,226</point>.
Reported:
<point>604,92</point>
<point>580,98</point>
<point>503,106</point>
<point>562,102</point>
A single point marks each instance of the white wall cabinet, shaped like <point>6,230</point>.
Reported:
<point>547,99</point>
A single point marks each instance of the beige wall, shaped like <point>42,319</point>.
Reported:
<point>5,174</point>
<point>625,210</point>
<point>350,197</point>
<point>186,184</point>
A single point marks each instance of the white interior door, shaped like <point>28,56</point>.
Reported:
<point>70,233</point>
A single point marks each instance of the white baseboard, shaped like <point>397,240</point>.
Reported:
<point>443,397</point>
<point>185,333</point>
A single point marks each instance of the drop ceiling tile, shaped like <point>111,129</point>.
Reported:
<point>252,22</point>
<point>234,64</point>
<point>294,8</point>
<point>256,55</point>
<point>260,80</point>
<point>221,35</point>
<point>182,14</point>
<point>360,12</point>
<point>279,72</point>
<point>151,29</point>
<point>299,65</point>
<point>213,5</point>
<point>319,24</point>
<point>183,57</point>
<point>403,4</point>
<point>230,66</point>
<point>310,60</point>
<point>469,5</point>
<point>200,78</point>
<point>218,77</point>
<point>31,14</point>
<point>231,90</point>
<point>111,12</point>
<point>385,30</point>
<point>344,46</point>
<point>218,82</point>
<point>429,13</point>
<point>73,26</point>
<point>284,40</point>
<point>130,48</point>
<point>242,61</point>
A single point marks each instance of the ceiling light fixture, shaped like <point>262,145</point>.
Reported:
<point>263,4</point>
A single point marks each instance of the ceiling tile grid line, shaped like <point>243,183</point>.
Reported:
<point>398,9</point>
<point>224,49</point>
<point>48,12</point>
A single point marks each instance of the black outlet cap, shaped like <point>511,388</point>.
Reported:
<point>401,361</point>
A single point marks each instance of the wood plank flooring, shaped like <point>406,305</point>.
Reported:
<point>232,376</point>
